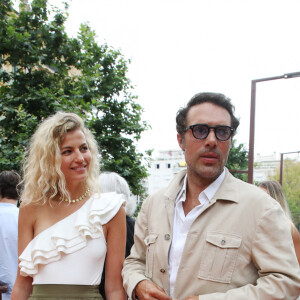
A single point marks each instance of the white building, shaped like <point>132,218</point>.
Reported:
<point>163,168</point>
<point>265,166</point>
<point>170,162</point>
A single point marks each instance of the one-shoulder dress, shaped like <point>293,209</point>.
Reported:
<point>72,251</point>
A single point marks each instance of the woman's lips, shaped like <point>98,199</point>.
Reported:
<point>79,168</point>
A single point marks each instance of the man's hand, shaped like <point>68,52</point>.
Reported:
<point>192,298</point>
<point>147,290</point>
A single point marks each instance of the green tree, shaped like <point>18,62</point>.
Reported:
<point>238,160</point>
<point>44,71</point>
<point>290,185</point>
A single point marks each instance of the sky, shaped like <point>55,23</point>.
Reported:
<point>179,48</point>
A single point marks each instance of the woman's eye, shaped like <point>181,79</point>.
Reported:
<point>66,152</point>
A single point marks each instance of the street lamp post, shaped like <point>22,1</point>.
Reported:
<point>252,117</point>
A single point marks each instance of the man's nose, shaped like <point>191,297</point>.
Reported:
<point>211,139</point>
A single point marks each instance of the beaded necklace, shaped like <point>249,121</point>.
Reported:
<point>78,199</point>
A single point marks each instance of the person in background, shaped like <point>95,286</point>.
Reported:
<point>113,182</point>
<point>209,235</point>
<point>3,289</point>
<point>9,213</point>
<point>274,189</point>
<point>66,228</point>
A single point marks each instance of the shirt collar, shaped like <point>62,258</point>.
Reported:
<point>209,192</point>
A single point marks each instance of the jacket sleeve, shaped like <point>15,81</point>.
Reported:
<point>274,257</point>
<point>135,264</point>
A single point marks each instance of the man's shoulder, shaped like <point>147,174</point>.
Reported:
<point>9,209</point>
<point>244,192</point>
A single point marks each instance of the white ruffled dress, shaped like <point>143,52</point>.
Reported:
<point>73,250</point>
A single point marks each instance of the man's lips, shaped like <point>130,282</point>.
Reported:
<point>209,157</point>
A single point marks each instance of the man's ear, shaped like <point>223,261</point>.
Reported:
<point>180,140</point>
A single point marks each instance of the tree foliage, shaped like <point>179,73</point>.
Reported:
<point>44,71</point>
<point>238,160</point>
<point>290,185</point>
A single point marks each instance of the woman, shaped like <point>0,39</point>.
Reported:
<point>65,229</point>
<point>274,189</point>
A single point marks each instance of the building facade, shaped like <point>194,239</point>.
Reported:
<point>170,162</point>
<point>163,168</point>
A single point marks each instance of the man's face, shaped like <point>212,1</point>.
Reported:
<point>205,158</point>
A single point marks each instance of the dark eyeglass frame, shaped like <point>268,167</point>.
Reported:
<point>215,128</point>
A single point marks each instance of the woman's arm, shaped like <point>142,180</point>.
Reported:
<point>23,285</point>
<point>296,241</point>
<point>116,241</point>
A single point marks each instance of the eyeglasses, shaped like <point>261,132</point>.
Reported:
<point>201,131</point>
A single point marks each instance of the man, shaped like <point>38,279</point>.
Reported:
<point>209,235</point>
<point>8,231</point>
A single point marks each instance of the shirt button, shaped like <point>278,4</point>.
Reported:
<point>167,237</point>
<point>223,242</point>
<point>162,270</point>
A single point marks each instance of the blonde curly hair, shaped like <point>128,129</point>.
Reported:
<point>43,179</point>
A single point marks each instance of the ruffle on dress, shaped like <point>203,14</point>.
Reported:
<point>71,233</point>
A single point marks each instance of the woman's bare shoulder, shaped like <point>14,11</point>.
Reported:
<point>30,208</point>
<point>30,213</point>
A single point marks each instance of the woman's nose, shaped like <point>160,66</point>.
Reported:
<point>79,156</point>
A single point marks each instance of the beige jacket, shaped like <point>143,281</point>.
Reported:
<point>240,247</point>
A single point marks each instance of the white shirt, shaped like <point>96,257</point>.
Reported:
<point>182,224</point>
<point>8,245</point>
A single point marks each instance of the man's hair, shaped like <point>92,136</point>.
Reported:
<point>43,178</point>
<point>214,98</point>
<point>9,181</point>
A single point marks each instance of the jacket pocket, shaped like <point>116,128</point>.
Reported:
<point>219,256</point>
<point>150,244</point>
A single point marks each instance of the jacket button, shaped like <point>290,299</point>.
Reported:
<point>167,237</point>
<point>162,270</point>
<point>223,242</point>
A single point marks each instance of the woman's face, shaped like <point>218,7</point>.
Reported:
<point>75,157</point>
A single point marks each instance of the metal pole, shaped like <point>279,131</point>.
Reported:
<point>281,168</point>
<point>252,118</point>
<point>281,164</point>
<point>251,135</point>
